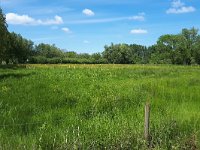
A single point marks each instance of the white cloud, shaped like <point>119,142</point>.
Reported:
<point>103,20</point>
<point>56,20</point>
<point>178,7</point>
<point>138,31</point>
<point>177,4</point>
<point>13,18</point>
<point>67,30</point>
<point>86,42</point>
<point>139,17</point>
<point>181,10</point>
<point>88,12</point>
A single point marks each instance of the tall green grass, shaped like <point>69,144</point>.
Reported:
<point>99,106</point>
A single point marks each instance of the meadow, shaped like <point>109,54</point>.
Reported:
<point>99,106</point>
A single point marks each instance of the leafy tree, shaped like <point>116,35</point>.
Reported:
<point>20,49</point>
<point>125,54</point>
<point>3,36</point>
<point>183,48</point>
<point>84,56</point>
<point>96,56</point>
<point>191,39</point>
<point>71,54</point>
<point>48,51</point>
<point>196,51</point>
<point>167,49</point>
<point>118,54</point>
<point>177,49</point>
<point>139,54</point>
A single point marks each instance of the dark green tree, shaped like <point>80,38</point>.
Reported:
<point>48,51</point>
<point>20,49</point>
<point>196,51</point>
<point>177,49</point>
<point>191,40</point>
<point>118,54</point>
<point>125,54</point>
<point>71,54</point>
<point>3,37</point>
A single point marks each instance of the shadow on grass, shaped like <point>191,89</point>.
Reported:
<point>15,67</point>
<point>15,75</point>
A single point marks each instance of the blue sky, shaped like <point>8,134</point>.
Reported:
<point>88,25</point>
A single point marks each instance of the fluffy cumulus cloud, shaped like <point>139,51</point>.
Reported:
<point>13,18</point>
<point>66,30</point>
<point>178,7</point>
<point>88,12</point>
<point>138,31</point>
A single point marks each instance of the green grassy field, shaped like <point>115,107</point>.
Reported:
<point>99,106</point>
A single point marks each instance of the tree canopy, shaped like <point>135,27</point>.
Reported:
<point>3,36</point>
<point>182,48</point>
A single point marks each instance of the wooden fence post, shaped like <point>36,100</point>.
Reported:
<point>146,123</point>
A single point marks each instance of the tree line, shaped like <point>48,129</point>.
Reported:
<point>182,48</point>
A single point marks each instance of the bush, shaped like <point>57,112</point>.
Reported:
<point>38,60</point>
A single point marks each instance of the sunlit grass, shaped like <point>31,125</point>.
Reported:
<point>99,106</point>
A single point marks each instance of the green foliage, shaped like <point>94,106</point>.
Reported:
<point>125,54</point>
<point>20,49</point>
<point>58,60</point>
<point>70,54</point>
<point>99,106</point>
<point>48,51</point>
<point>38,60</point>
<point>177,49</point>
<point>182,49</point>
<point>3,36</point>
